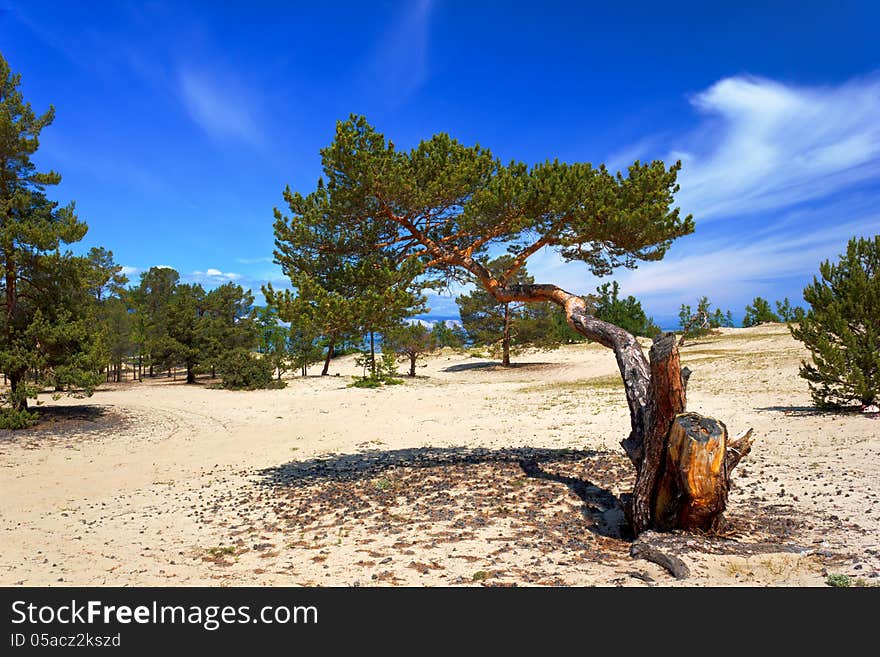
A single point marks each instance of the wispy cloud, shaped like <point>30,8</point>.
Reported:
<point>221,107</point>
<point>778,177</point>
<point>399,66</point>
<point>730,269</point>
<point>727,269</point>
<point>255,261</point>
<point>763,145</point>
<point>212,276</point>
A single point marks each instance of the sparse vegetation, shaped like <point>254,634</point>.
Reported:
<point>839,581</point>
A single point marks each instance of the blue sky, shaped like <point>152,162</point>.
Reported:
<point>179,124</point>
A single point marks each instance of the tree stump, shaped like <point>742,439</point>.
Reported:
<point>684,459</point>
<point>692,491</point>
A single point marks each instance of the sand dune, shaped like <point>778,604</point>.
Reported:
<point>470,474</point>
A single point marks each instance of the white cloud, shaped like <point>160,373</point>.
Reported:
<point>764,145</point>
<point>213,275</point>
<point>222,108</point>
<point>731,270</point>
<point>130,271</point>
<point>255,261</point>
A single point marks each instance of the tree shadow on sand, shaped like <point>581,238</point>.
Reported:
<point>420,472</point>
<point>65,422</point>
<point>794,410</point>
<point>496,365</point>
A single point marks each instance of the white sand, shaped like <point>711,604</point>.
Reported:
<point>166,487</point>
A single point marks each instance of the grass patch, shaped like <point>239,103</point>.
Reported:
<point>366,382</point>
<point>839,581</point>
<point>605,382</point>
<point>220,550</point>
<point>383,484</point>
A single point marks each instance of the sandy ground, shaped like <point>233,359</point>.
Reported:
<point>468,475</point>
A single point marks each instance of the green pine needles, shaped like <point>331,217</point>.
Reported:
<point>842,328</point>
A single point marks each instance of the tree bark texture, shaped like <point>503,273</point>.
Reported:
<point>326,369</point>
<point>505,338</point>
<point>683,460</point>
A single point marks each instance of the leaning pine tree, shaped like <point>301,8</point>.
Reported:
<point>443,204</point>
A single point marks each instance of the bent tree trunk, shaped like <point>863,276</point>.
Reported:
<point>683,461</point>
<point>330,348</point>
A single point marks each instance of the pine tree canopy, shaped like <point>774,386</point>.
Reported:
<point>842,327</point>
<point>45,325</point>
<point>444,204</point>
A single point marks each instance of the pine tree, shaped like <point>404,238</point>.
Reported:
<point>759,312</point>
<point>152,301</point>
<point>487,321</point>
<point>44,326</point>
<point>626,313</point>
<point>185,338</point>
<point>842,328</point>
<point>227,322</point>
<point>444,335</point>
<point>700,323</point>
<point>445,206</point>
<point>410,340</point>
<point>272,338</point>
<point>343,285</point>
<point>787,313</point>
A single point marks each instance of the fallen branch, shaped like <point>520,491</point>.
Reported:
<point>642,550</point>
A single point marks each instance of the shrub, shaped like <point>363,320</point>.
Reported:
<point>839,581</point>
<point>842,328</point>
<point>367,382</point>
<point>12,418</point>
<point>240,370</point>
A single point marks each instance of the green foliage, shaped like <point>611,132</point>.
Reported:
<point>839,581</point>
<point>701,322</point>
<point>444,335</point>
<point>410,340</point>
<point>468,200</point>
<point>842,328</point>
<point>759,312</point>
<point>152,301</point>
<point>15,418</point>
<point>387,367</point>
<point>434,213</point>
<point>46,324</point>
<point>241,370</point>
<point>343,285</point>
<point>226,321</point>
<point>626,313</point>
<point>303,346</point>
<point>787,313</point>
<point>183,341</point>
<point>367,382</point>
<point>272,338</point>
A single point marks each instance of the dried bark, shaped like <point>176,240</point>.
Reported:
<point>642,549</point>
<point>682,481</point>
